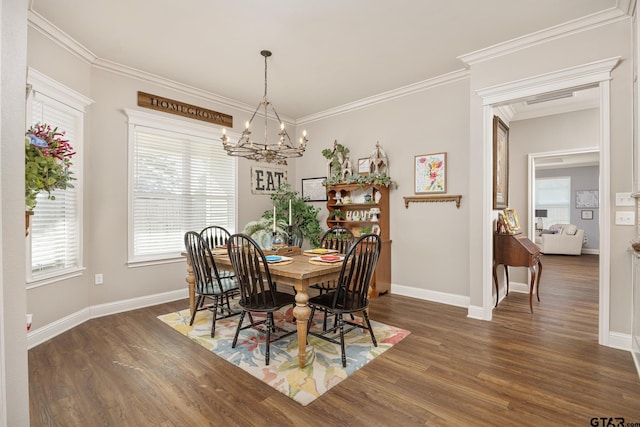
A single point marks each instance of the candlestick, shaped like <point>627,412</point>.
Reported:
<point>274,219</point>
<point>289,211</point>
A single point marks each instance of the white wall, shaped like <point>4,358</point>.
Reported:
<point>429,240</point>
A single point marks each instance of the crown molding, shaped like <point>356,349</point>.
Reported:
<point>506,112</point>
<point>557,109</point>
<point>62,39</point>
<point>627,6</point>
<point>123,70</point>
<point>55,34</point>
<point>411,89</point>
<point>586,23</point>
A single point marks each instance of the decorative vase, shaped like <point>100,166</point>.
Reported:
<point>27,218</point>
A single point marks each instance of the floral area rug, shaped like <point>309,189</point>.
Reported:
<point>323,368</point>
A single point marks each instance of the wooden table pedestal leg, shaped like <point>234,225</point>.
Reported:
<point>191,282</point>
<point>301,313</point>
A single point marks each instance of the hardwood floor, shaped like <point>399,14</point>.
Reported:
<point>544,368</point>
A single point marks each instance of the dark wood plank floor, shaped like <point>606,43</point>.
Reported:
<point>544,368</point>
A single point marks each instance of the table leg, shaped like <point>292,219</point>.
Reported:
<point>191,282</point>
<point>301,313</point>
<point>539,275</point>
<point>506,278</point>
<point>495,280</point>
<point>533,280</point>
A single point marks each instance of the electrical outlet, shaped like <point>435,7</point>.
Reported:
<point>99,279</point>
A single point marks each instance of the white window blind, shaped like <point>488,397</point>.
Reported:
<point>180,183</point>
<point>554,195</point>
<point>55,229</point>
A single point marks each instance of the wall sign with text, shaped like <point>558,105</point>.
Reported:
<point>172,106</point>
<point>265,180</point>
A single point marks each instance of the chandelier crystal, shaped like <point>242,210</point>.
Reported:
<point>270,152</point>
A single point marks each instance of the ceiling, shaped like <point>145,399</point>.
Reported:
<point>325,53</point>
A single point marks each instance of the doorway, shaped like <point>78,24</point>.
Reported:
<point>599,74</point>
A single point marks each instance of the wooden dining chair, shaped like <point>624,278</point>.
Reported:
<point>338,238</point>
<point>351,294</point>
<point>217,237</point>
<point>258,293</point>
<point>209,283</point>
<point>296,238</point>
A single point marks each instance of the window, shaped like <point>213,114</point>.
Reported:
<point>54,244</point>
<point>181,179</point>
<point>554,195</point>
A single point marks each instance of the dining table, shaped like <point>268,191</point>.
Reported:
<point>299,274</point>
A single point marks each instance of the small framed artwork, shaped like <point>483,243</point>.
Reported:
<point>314,190</point>
<point>500,164</point>
<point>364,167</point>
<point>430,173</point>
<point>511,217</point>
<point>375,229</point>
<point>586,214</point>
<point>586,199</point>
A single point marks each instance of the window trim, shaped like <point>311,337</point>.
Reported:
<point>42,85</point>
<point>168,124</point>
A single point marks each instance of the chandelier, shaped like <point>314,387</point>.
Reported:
<point>270,152</point>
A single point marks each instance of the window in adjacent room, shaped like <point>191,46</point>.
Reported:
<point>554,196</point>
<point>180,179</point>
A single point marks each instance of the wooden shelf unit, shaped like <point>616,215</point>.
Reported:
<point>382,280</point>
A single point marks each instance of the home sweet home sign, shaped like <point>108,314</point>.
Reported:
<point>182,109</point>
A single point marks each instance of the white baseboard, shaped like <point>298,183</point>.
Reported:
<point>620,341</point>
<point>475,312</point>
<point>636,361</point>
<point>591,251</point>
<point>42,334</point>
<point>435,296</point>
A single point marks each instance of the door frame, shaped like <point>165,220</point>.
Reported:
<point>592,74</point>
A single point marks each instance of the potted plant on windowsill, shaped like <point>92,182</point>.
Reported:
<point>47,161</point>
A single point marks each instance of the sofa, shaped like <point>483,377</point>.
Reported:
<point>563,239</point>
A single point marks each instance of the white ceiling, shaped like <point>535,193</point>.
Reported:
<point>325,53</point>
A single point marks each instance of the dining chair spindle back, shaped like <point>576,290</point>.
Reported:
<point>351,294</point>
<point>209,282</point>
<point>258,292</point>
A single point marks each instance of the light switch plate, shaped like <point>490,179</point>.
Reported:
<point>625,218</point>
<point>624,199</point>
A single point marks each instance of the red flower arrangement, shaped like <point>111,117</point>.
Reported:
<point>47,162</point>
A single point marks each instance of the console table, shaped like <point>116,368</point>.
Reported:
<point>517,251</point>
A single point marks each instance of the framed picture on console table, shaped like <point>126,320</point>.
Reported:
<point>513,225</point>
<point>500,164</point>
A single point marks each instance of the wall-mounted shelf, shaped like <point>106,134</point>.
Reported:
<point>424,199</point>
